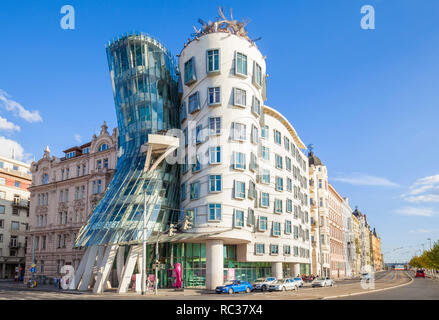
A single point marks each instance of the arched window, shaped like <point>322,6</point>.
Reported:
<point>45,178</point>
<point>103,147</point>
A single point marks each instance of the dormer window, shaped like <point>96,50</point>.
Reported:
<point>103,147</point>
<point>70,154</point>
<point>85,150</point>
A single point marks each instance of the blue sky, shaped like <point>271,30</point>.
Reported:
<point>367,99</point>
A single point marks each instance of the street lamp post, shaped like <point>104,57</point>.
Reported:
<point>144,246</point>
<point>430,242</point>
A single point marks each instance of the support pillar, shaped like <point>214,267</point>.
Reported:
<point>296,269</point>
<point>214,263</point>
<point>276,270</point>
<point>128,268</point>
<point>3,270</point>
<point>120,261</point>
<point>88,270</point>
<point>104,268</point>
<point>81,267</point>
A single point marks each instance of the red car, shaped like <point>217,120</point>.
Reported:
<point>420,273</point>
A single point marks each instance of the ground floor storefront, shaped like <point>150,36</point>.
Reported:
<point>192,257</point>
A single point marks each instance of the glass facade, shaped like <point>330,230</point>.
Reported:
<point>144,78</point>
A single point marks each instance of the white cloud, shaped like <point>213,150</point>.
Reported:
<point>18,109</point>
<point>362,179</point>
<point>415,211</point>
<point>423,190</point>
<point>77,137</point>
<point>8,146</point>
<point>9,126</point>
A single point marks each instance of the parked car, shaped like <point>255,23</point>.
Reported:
<point>299,280</point>
<point>322,282</point>
<point>420,273</point>
<point>235,286</point>
<point>283,285</point>
<point>263,283</point>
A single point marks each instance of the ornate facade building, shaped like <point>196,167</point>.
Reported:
<point>15,179</point>
<point>336,233</point>
<point>64,192</point>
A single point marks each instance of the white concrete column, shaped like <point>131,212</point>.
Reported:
<point>214,263</point>
<point>296,269</point>
<point>120,261</point>
<point>276,270</point>
<point>81,268</point>
<point>128,268</point>
<point>88,270</point>
<point>105,268</point>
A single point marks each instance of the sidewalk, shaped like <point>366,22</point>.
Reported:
<point>11,285</point>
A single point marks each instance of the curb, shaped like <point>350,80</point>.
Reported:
<point>373,291</point>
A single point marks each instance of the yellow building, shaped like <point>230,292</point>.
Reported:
<point>376,247</point>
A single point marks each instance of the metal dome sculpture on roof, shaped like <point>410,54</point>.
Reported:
<point>223,24</point>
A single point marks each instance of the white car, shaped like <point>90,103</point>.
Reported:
<point>283,285</point>
<point>322,282</point>
<point>299,280</point>
<point>263,283</point>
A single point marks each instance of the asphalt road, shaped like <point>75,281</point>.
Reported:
<point>419,289</point>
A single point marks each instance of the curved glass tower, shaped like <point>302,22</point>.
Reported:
<point>144,77</point>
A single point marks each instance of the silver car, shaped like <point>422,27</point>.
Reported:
<point>263,283</point>
<point>284,285</point>
<point>322,282</point>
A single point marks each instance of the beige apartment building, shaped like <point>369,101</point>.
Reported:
<point>64,192</point>
<point>335,203</point>
<point>356,229</point>
<point>15,179</point>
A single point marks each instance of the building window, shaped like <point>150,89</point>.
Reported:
<point>288,163</point>
<point>184,165</point>
<point>213,63</point>
<point>195,190</point>
<point>241,64</point>
<point>2,195</point>
<point>106,163</point>
<point>264,132</point>
<point>251,190</point>
<point>239,97</point>
<point>239,218</point>
<point>276,228</point>
<point>274,249</point>
<point>194,102</point>
<point>189,71</point>
<point>215,184</point>
<point>196,166</point>
<point>256,106</point>
<point>85,150</point>
<point>45,179</point>
<point>215,125</point>
<point>289,205</point>
<point>2,223</point>
<point>253,162</point>
<point>265,176</point>
<point>183,191</point>
<point>265,153</point>
<point>277,137</point>
<point>254,134</point>
<point>2,209</point>
<point>279,184</point>
<point>83,169</point>
<point>287,144</point>
<point>287,249</point>
<point>238,160</point>
<point>265,199</point>
<point>70,154</point>
<point>2,181</point>
<point>296,232</point>
<point>192,213</point>
<point>214,96</point>
<point>103,147</point>
<point>260,248</point>
<point>263,224</point>
<point>215,155</point>
<point>251,217</point>
<point>289,184</point>
<point>278,161</point>
<point>288,227</point>
<point>214,212</point>
<point>183,112</point>
<point>238,131</point>
<point>239,190</point>
<point>257,74</point>
<point>15,225</point>
<point>278,206</point>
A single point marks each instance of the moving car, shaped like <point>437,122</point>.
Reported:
<point>283,285</point>
<point>322,282</point>
<point>365,276</point>
<point>263,283</point>
<point>235,286</point>
<point>420,273</point>
<point>299,280</point>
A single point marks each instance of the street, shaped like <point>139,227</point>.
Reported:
<point>407,288</point>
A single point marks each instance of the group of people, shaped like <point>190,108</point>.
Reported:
<point>307,278</point>
<point>57,281</point>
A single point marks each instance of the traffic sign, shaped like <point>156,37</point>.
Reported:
<point>33,265</point>
<point>32,270</point>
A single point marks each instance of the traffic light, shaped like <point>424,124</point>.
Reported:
<point>187,222</point>
<point>172,230</point>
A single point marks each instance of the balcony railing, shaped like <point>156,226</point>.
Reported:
<point>14,245</point>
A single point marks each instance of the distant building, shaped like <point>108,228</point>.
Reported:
<point>64,192</point>
<point>335,202</point>
<point>15,179</point>
<point>356,231</point>
<point>348,239</point>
